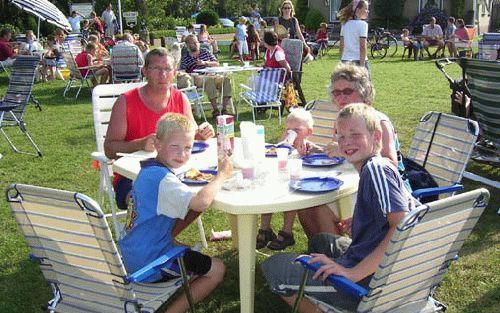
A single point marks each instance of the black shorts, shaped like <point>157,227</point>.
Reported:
<point>196,264</point>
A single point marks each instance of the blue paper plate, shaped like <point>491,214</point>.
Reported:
<point>316,184</point>
<point>199,146</point>
<point>188,181</point>
<point>290,149</point>
<point>321,160</point>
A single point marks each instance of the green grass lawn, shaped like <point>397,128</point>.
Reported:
<point>64,132</point>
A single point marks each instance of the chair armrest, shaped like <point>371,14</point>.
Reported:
<point>425,192</point>
<point>191,88</point>
<point>338,281</point>
<point>245,87</point>
<point>101,157</point>
<point>163,261</point>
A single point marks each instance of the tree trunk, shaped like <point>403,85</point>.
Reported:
<point>141,8</point>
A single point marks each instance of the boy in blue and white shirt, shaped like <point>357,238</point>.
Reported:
<point>382,203</point>
<point>241,36</point>
<point>161,201</point>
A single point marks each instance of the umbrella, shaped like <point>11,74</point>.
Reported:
<point>44,10</point>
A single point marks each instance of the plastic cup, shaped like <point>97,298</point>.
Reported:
<point>225,64</point>
<point>295,168</point>
<point>248,169</point>
<point>290,137</point>
<point>246,63</point>
<point>282,156</point>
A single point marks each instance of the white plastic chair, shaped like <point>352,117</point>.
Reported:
<point>70,239</point>
<point>103,99</point>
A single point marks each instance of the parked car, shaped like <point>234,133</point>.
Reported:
<point>225,22</point>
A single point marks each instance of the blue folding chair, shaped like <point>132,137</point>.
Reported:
<point>266,93</point>
<point>18,95</point>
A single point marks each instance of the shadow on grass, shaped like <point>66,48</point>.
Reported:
<point>488,302</point>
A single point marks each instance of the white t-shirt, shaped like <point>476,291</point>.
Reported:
<point>352,31</point>
<point>279,55</point>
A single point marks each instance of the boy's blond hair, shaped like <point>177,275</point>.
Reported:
<point>170,122</point>
<point>366,113</point>
<point>302,116</point>
<point>243,20</point>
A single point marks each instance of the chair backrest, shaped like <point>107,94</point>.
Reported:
<point>103,99</point>
<point>483,80</point>
<point>420,251</point>
<point>71,65</point>
<point>443,144</point>
<point>471,30</point>
<point>126,63</point>
<point>269,84</point>
<point>293,50</point>
<point>74,46</point>
<point>179,30</point>
<point>21,82</point>
<point>324,114</point>
<point>70,238</point>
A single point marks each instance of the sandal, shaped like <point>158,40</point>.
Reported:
<point>281,244</point>
<point>264,237</point>
<point>215,113</point>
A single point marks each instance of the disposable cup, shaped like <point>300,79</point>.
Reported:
<point>295,168</point>
<point>246,63</point>
<point>282,156</point>
<point>248,169</point>
<point>290,136</point>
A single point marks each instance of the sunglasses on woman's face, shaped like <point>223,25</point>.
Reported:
<point>287,8</point>
<point>345,92</point>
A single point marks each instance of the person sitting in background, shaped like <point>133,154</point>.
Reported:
<point>304,32</point>
<point>253,41</point>
<point>127,43</point>
<point>189,30</point>
<point>234,48</point>
<point>197,58</point>
<point>101,52</point>
<point>449,35</point>
<point>7,53</point>
<point>31,45</point>
<point>275,55</point>
<point>461,38</point>
<point>433,36</point>
<point>143,47</point>
<point>322,36</point>
<point>85,29</point>
<point>162,201</point>
<point>414,45</point>
<point>49,61</point>
<point>204,37</point>
<point>86,62</point>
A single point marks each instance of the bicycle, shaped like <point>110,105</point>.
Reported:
<point>382,43</point>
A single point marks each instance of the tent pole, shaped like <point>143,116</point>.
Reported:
<point>120,16</point>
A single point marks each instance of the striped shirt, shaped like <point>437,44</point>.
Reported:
<point>380,191</point>
<point>189,63</point>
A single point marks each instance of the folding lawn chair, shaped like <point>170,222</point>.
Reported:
<point>266,93</point>
<point>103,99</point>
<point>416,259</point>
<point>125,64</point>
<point>76,75</point>
<point>324,115</point>
<point>293,50</point>
<point>442,144</point>
<point>19,93</point>
<point>70,239</point>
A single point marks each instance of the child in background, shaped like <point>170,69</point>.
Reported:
<point>101,51</point>
<point>85,29</point>
<point>449,36</point>
<point>161,200</point>
<point>234,49</point>
<point>322,36</point>
<point>301,122</point>
<point>204,37</point>
<point>382,203</point>
<point>241,36</point>
<point>413,44</point>
<point>253,42</point>
<point>86,59</point>
<point>50,59</point>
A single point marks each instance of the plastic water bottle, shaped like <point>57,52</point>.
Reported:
<point>248,136</point>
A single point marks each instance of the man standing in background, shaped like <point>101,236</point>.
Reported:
<point>74,20</point>
<point>109,19</point>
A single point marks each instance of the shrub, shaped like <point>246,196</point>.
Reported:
<point>13,28</point>
<point>207,17</point>
<point>425,16</point>
<point>390,11</point>
<point>301,10</point>
<point>313,18</point>
<point>157,23</point>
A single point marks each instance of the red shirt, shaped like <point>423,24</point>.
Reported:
<point>82,61</point>
<point>271,58</point>
<point>321,35</point>
<point>5,50</point>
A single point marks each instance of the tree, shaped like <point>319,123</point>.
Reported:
<point>389,10</point>
<point>301,10</point>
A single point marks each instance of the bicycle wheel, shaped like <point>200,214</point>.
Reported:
<point>378,51</point>
<point>391,43</point>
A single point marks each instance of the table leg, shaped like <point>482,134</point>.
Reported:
<point>234,229</point>
<point>247,228</point>
<point>345,206</point>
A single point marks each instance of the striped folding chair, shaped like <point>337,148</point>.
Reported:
<point>126,64</point>
<point>266,93</point>
<point>18,95</point>
<point>70,240</point>
<point>416,259</point>
<point>324,115</point>
<point>76,75</point>
<point>443,144</point>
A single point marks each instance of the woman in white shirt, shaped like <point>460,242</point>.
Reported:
<point>354,33</point>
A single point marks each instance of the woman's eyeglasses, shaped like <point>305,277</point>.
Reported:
<point>345,92</point>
